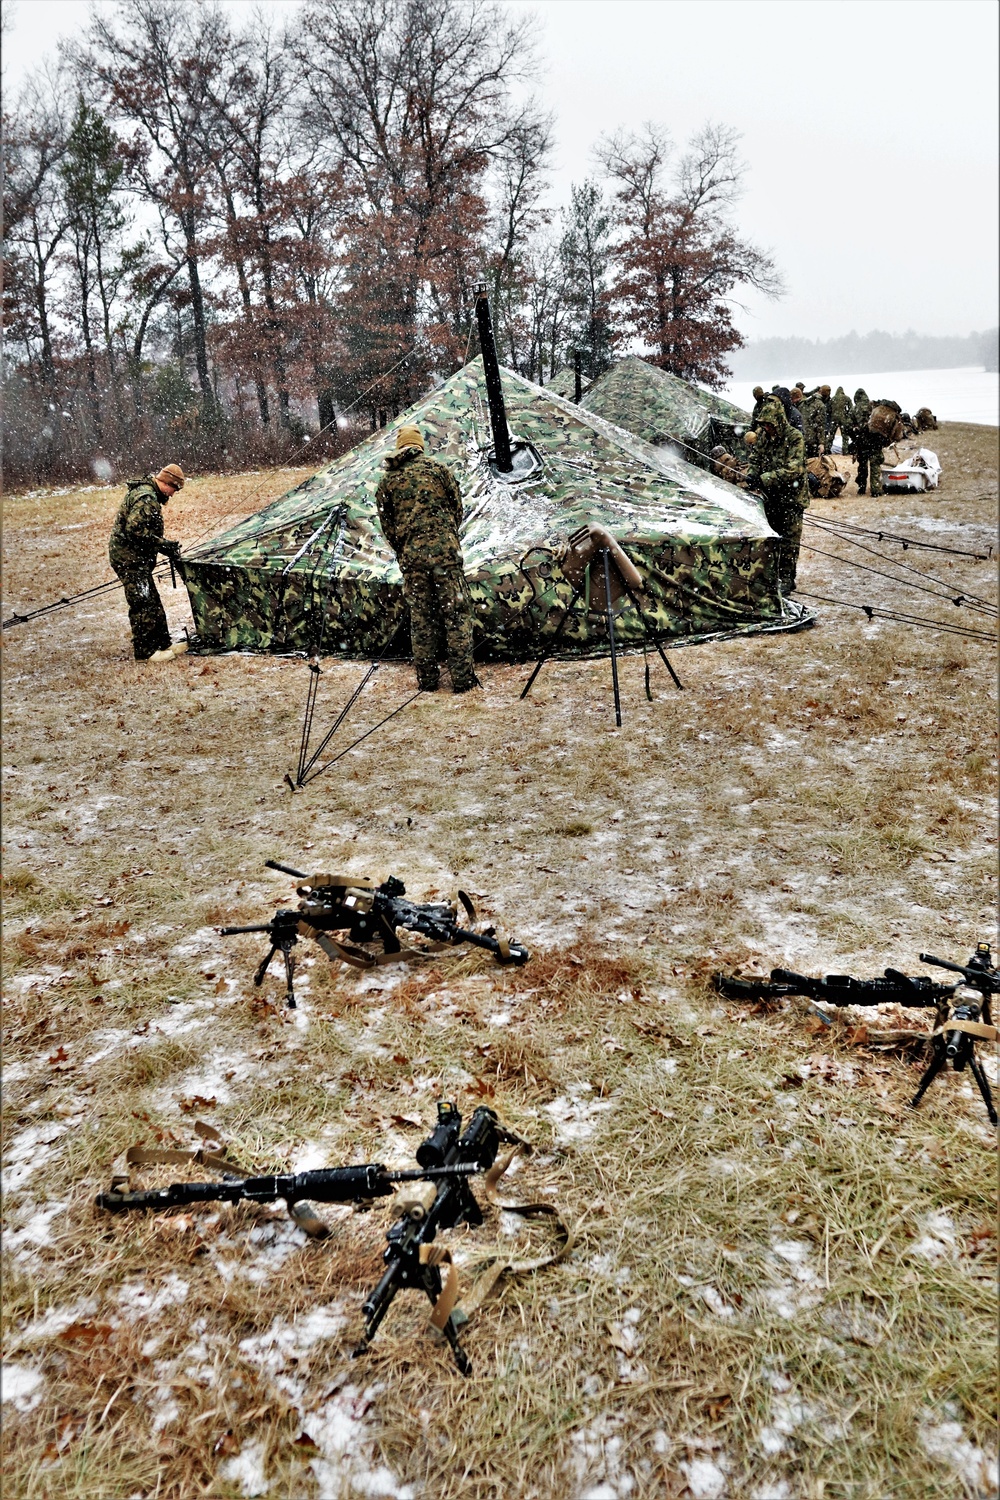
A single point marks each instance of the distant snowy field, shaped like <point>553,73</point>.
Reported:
<point>970,394</point>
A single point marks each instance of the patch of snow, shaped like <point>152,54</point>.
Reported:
<point>947,1444</point>
<point>706,1477</point>
<point>246,1469</point>
<point>714,1300</point>
<point>596,1459</point>
<point>52,1323</point>
<point>575,1115</point>
<point>138,1301</point>
<point>938,1239</point>
<point>21,1386</point>
<point>29,1151</point>
<point>203,940</point>
<point>37,1230</point>
<point>337,1424</point>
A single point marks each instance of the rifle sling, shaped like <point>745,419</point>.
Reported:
<point>358,958</point>
<point>565,1237</point>
<point>139,1156</point>
<point>971,1028</point>
<point>439,1255</point>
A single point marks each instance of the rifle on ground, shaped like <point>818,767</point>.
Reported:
<point>962,1019</point>
<point>446,1161</point>
<point>367,913</point>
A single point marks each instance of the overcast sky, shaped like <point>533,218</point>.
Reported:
<point>870,128</point>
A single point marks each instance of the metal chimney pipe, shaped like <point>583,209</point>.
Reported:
<point>577,375</point>
<point>494,389</point>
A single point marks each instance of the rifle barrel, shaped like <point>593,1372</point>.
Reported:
<point>254,927</point>
<point>272,864</point>
<point>943,963</point>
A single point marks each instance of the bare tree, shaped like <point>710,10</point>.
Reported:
<point>36,216</point>
<point>155,63</point>
<point>677,255</point>
<point>414,98</point>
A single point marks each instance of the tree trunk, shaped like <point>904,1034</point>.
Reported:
<point>197,309</point>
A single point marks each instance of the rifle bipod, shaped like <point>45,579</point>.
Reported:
<point>960,1026</point>
<point>617,575</point>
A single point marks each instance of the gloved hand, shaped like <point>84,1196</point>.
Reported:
<point>767,479</point>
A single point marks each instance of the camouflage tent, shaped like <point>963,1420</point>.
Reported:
<point>313,572</point>
<point>664,409</point>
<point>563,383</point>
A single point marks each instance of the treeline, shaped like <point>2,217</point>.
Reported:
<point>222,242</point>
<point>855,353</point>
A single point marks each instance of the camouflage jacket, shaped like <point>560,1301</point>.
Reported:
<point>813,413</point>
<point>420,509</point>
<point>137,533</point>
<point>840,409</point>
<point>778,463</point>
<point>860,412</point>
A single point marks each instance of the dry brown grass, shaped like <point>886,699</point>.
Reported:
<point>782,1284</point>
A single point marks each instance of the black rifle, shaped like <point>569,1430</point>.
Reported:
<point>366,913</point>
<point>447,1158</point>
<point>328,1185</point>
<point>407,1261</point>
<point>960,1024</point>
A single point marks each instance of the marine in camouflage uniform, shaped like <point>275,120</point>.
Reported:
<point>868,448</point>
<point>813,413</point>
<point>420,510</point>
<point>777,469</point>
<point>136,540</point>
<point>840,416</point>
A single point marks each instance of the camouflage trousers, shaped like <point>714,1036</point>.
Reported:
<point>870,461</point>
<point>150,631</point>
<point>440,621</point>
<point>784,515</point>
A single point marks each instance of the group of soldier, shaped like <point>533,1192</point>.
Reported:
<point>791,431</point>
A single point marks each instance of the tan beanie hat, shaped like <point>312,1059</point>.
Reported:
<point>409,437</point>
<point>173,475</point>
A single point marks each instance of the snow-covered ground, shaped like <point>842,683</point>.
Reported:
<point>969,394</point>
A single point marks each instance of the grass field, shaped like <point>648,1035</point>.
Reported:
<point>784,1280</point>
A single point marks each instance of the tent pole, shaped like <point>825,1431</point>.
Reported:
<point>494,386</point>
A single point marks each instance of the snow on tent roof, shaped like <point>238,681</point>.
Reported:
<point>312,571</point>
<point>662,408</point>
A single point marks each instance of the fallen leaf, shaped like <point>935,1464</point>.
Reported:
<point>305,1441</point>
<point>86,1334</point>
<point>220,988</point>
<point>857,1036</point>
<point>226,1445</point>
<point>412,1121</point>
<point>196,1101</point>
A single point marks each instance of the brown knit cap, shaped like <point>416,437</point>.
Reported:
<point>173,475</point>
<point>409,437</point>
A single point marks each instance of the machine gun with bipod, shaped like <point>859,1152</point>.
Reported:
<point>367,913</point>
<point>447,1159</point>
<point>963,1008</point>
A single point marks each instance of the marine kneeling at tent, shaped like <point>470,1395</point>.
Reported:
<point>136,539</point>
<point>420,510</point>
